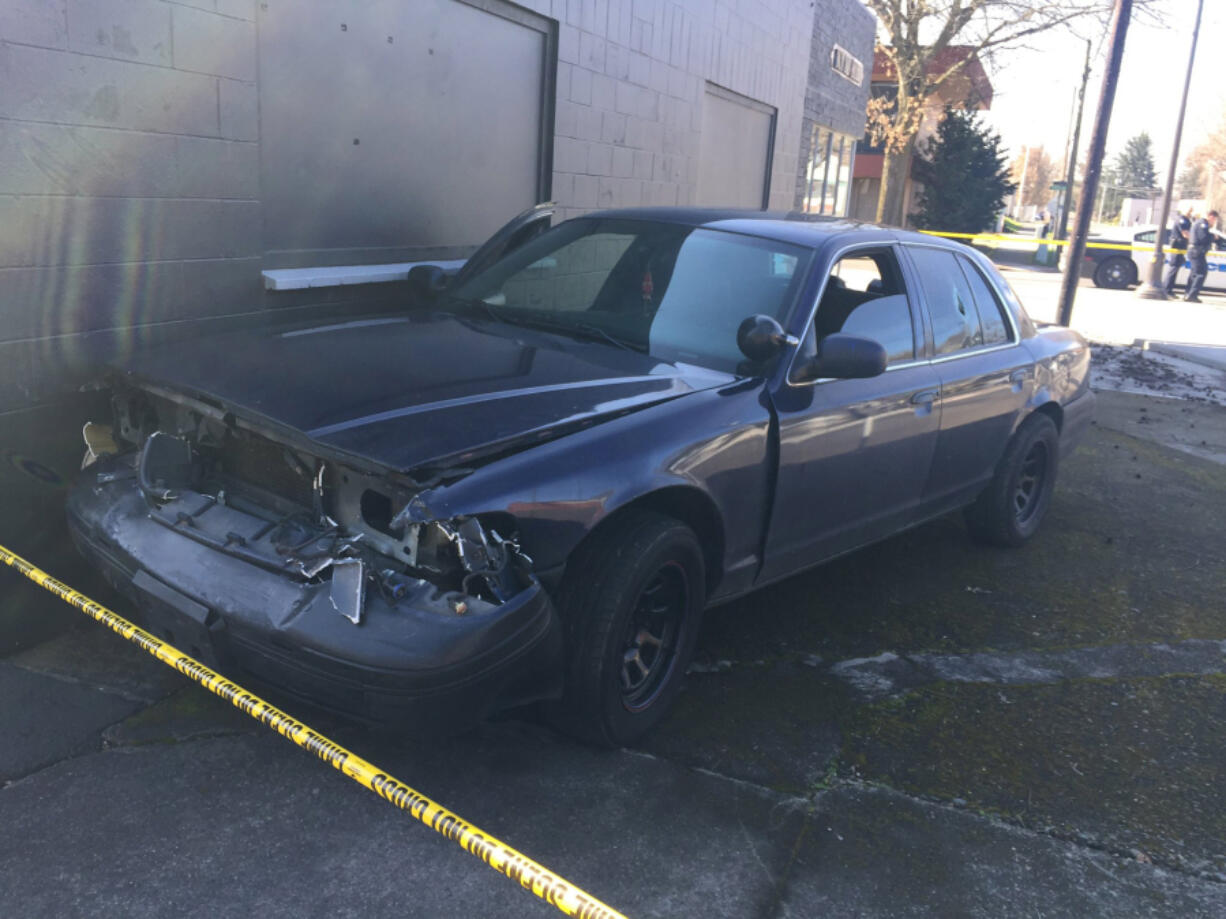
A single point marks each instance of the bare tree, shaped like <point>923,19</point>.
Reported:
<point>1040,170</point>
<point>913,36</point>
<point>1204,166</point>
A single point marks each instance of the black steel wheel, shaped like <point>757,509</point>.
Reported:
<point>649,645</point>
<point>1010,509</point>
<point>1116,272</point>
<point>1031,478</point>
<point>631,602</point>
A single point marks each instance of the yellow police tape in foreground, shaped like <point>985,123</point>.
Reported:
<point>498,855</point>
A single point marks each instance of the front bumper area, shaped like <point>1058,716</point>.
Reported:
<point>406,666</point>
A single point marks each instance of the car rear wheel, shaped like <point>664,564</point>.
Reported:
<point>631,601</point>
<point>1116,272</point>
<point>1011,508</point>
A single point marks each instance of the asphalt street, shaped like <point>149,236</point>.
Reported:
<point>926,727</point>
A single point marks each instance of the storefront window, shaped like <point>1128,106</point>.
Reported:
<point>828,172</point>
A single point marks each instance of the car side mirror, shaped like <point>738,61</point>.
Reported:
<point>760,338</point>
<point>426,282</point>
<point>843,357</point>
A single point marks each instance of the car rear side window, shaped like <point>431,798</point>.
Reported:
<point>991,311</point>
<point>955,321</point>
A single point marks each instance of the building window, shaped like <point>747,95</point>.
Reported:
<point>828,172</point>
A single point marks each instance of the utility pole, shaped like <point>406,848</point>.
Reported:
<point>1120,16</point>
<point>1152,288</point>
<point>1070,177</point>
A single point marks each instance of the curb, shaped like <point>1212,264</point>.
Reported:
<point>1197,354</point>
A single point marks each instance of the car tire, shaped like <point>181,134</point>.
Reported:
<point>1010,509</point>
<point>1116,273</point>
<point>631,602</point>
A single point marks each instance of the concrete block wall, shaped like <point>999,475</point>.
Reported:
<point>631,80</point>
<point>129,165</point>
<point>130,183</point>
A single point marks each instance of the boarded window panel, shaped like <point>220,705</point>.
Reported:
<point>734,162</point>
<point>388,125</point>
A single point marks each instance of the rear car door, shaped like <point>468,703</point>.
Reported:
<point>986,376</point>
<point>854,455</point>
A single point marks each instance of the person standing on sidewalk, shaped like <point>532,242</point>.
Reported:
<point>1177,243</point>
<point>1199,241</point>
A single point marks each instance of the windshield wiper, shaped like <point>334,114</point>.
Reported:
<point>597,332</point>
<point>535,320</point>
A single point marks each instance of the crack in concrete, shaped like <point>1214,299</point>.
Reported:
<point>886,674</point>
<point>1076,839</point>
<point>104,688</point>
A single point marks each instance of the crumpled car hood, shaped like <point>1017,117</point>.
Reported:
<point>418,391</point>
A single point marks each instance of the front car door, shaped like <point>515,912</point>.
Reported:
<point>986,375</point>
<point>854,455</point>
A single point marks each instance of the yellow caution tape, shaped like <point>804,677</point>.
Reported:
<point>498,855</point>
<point>1036,241</point>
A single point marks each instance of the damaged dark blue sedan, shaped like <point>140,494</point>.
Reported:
<point>529,484</point>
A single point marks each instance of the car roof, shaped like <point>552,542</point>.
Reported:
<point>794,227</point>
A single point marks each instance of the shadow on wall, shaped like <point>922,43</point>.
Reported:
<point>40,452</point>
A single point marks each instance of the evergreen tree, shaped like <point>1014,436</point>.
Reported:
<point>966,176</point>
<point>1135,165</point>
<point>1134,174</point>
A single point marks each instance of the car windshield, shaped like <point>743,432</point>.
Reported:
<point>672,291</point>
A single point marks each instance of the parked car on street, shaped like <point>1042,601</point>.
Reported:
<point>528,484</point>
<point>1122,268</point>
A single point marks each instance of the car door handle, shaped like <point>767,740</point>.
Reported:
<point>927,397</point>
<point>1018,376</point>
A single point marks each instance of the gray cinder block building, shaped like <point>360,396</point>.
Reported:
<point>163,165</point>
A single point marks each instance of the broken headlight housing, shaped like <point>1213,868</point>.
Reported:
<point>312,518</point>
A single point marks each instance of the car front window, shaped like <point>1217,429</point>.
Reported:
<point>676,292</point>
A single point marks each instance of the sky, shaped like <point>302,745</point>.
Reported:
<point>1034,87</point>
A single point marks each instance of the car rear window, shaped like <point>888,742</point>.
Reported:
<point>955,320</point>
<point>991,310</point>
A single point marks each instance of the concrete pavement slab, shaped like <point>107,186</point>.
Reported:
<point>872,852</point>
<point>1198,428</point>
<point>1119,764</point>
<point>93,655</point>
<point>44,719</point>
<point>250,825</point>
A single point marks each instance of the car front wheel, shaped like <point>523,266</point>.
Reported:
<point>631,601</point>
<point>1116,272</point>
<point>1013,505</point>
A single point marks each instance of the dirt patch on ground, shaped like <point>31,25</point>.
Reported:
<point>1142,372</point>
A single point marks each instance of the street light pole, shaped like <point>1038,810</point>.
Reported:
<point>1120,16</point>
<point>1152,288</point>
